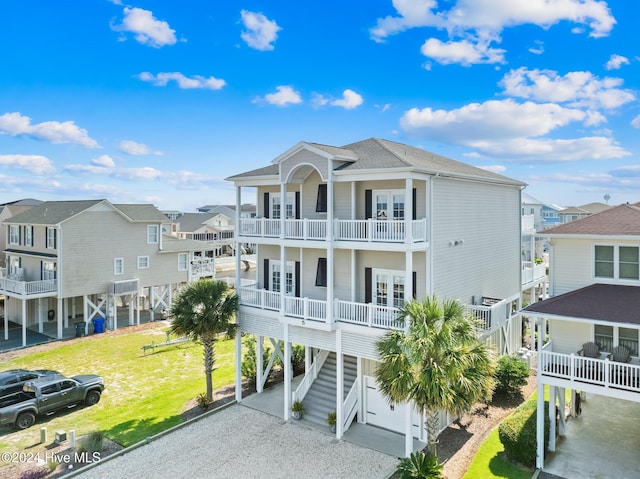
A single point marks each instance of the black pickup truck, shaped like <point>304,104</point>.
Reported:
<point>46,396</point>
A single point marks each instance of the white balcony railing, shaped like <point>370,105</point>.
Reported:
<point>28,287</point>
<point>203,268</point>
<point>533,272</point>
<point>350,405</point>
<point>600,372</point>
<point>310,376</point>
<point>491,313</point>
<point>369,315</point>
<point>393,231</point>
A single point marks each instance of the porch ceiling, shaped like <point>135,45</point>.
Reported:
<point>598,302</point>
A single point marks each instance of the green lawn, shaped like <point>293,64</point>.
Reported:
<point>144,394</point>
<point>491,462</point>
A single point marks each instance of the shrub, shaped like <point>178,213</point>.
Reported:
<point>332,418</point>
<point>297,357</point>
<point>203,401</point>
<point>297,406</point>
<point>419,466</point>
<point>92,442</point>
<point>518,432</point>
<point>34,473</point>
<point>248,368</point>
<point>511,375</point>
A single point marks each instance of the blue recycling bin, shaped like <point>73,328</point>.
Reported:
<point>98,325</point>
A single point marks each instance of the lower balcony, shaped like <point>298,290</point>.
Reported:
<point>599,375</point>
<point>27,288</point>
<point>533,273</point>
<point>307,309</point>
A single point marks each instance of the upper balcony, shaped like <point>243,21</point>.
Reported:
<point>12,287</point>
<point>533,273</point>
<point>386,231</point>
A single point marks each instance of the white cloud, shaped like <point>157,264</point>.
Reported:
<point>464,52</point>
<point>284,95</point>
<point>16,124</point>
<point>104,160</point>
<point>184,82</point>
<point>137,149</point>
<point>616,61</point>
<point>146,28</point>
<point>36,164</point>
<point>636,122</point>
<point>494,15</point>
<point>538,48</point>
<point>260,32</point>
<point>318,100</point>
<point>350,100</point>
<point>579,89</point>
<point>511,130</point>
<point>131,174</point>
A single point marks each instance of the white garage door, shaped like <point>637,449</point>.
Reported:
<point>382,414</point>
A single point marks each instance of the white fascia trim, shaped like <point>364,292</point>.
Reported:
<point>256,181</point>
<point>601,238</point>
<point>573,319</point>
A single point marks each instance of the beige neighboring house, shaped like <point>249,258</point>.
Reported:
<point>7,211</point>
<point>213,228</point>
<point>84,259</point>
<point>345,236</point>
<point>592,316</point>
<point>573,213</point>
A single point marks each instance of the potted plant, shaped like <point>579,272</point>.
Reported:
<point>297,409</point>
<point>331,420</point>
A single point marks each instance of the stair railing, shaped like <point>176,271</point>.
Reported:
<point>350,405</point>
<point>310,376</point>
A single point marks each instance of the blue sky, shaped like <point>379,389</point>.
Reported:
<point>159,101</point>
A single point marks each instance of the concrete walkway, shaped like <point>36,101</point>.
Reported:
<point>243,442</point>
<point>603,442</point>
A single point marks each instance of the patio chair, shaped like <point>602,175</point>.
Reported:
<point>620,354</point>
<point>590,350</point>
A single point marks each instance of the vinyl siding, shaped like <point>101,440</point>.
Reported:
<point>264,324</point>
<point>568,337</point>
<point>92,240</point>
<point>488,262</point>
<point>572,266</point>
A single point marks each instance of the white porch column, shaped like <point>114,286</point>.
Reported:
<point>65,307</point>
<point>24,322</point>
<point>330,236</point>
<point>361,411</point>
<point>339,385</point>
<point>152,303</point>
<point>561,406</point>
<point>408,276</point>
<point>114,311</point>
<point>307,359</point>
<point>237,241</point>
<point>39,315</point>
<point>283,208</point>
<point>85,308</point>
<point>540,408</point>
<point>408,430</point>
<point>552,418</point>
<point>238,365</point>
<point>73,308</point>
<point>59,307</point>
<point>408,211</point>
<point>138,308</point>
<point>6,325</point>
<point>259,363</point>
<point>353,275</point>
<point>131,319</point>
<point>283,275</point>
<point>286,364</point>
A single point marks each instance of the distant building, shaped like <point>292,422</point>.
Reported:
<point>573,213</point>
<point>247,210</point>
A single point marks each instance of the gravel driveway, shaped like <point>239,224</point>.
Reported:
<point>242,442</point>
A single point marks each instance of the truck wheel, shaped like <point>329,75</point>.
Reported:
<point>93,397</point>
<point>25,420</point>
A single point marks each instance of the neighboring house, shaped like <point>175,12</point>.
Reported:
<point>532,212</point>
<point>345,236</point>
<point>550,215</point>
<point>214,228</point>
<point>68,259</point>
<point>533,269</point>
<point>7,211</point>
<point>594,283</point>
<point>247,210</point>
<point>573,213</point>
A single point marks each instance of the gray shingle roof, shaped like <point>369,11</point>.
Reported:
<point>622,220</point>
<point>190,222</point>
<point>52,212</point>
<point>598,302</point>
<point>143,212</point>
<point>375,154</point>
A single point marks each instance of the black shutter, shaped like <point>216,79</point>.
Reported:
<point>321,200</point>
<point>265,206</point>
<point>367,284</point>
<point>41,270</point>
<point>415,286</point>
<point>321,272</point>
<point>368,204</point>
<point>297,205</point>
<point>297,278</point>
<point>415,202</point>
<point>55,239</point>
<point>265,274</point>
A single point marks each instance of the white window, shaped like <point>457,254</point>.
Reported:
<point>388,288</point>
<point>616,262</point>
<point>15,264</point>
<point>389,205</point>
<point>28,235</point>
<point>276,206</point>
<point>152,234</point>
<point>48,270</point>
<point>143,262</point>
<point>14,234</point>
<point>51,238</point>
<point>183,261</point>
<point>289,277</point>
<point>118,266</point>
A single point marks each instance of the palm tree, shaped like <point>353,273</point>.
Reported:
<point>438,364</point>
<point>201,312</point>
